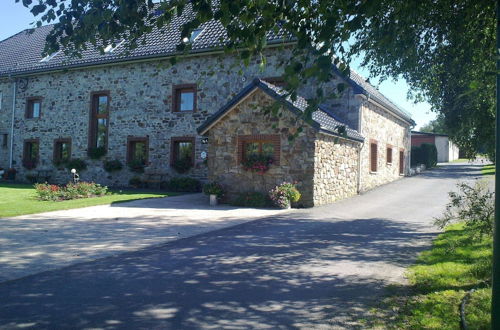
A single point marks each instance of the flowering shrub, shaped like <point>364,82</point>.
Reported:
<point>213,188</point>
<point>52,192</point>
<point>257,163</point>
<point>284,194</point>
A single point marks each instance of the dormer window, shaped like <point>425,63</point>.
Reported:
<point>49,57</point>
<point>195,34</point>
<point>111,48</point>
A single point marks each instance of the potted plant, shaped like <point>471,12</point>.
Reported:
<point>284,194</point>
<point>215,191</point>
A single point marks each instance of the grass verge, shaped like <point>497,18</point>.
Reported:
<point>439,280</point>
<point>20,199</point>
<point>488,169</point>
<point>460,160</point>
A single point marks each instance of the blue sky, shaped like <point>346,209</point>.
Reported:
<point>15,18</point>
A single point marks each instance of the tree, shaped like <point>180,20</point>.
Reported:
<point>436,126</point>
<point>444,48</point>
<point>446,51</point>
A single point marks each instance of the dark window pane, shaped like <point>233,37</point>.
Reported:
<point>102,104</point>
<point>64,151</point>
<point>251,149</point>
<point>268,149</point>
<point>32,151</point>
<point>186,101</point>
<point>184,150</point>
<point>138,151</point>
<point>101,132</point>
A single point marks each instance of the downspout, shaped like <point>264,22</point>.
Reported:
<point>360,123</point>
<point>11,154</point>
<point>408,165</point>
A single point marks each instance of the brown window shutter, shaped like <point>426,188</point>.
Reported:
<point>373,157</point>
<point>401,162</point>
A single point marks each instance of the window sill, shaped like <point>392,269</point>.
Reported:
<point>389,164</point>
<point>185,111</point>
<point>371,172</point>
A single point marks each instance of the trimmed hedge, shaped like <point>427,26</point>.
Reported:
<point>425,154</point>
<point>182,184</point>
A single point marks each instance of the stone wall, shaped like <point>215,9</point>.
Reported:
<point>5,120</point>
<point>296,157</point>
<point>335,169</point>
<point>141,101</point>
<point>382,127</point>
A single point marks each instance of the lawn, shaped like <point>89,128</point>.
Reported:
<point>460,160</point>
<point>19,199</point>
<point>488,169</point>
<point>440,279</point>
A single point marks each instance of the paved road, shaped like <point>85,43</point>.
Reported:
<point>34,243</point>
<point>313,268</point>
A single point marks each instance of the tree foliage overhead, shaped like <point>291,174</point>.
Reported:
<point>443,48</point>
<point>436,126</point>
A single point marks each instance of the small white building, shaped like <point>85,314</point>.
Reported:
<point>447,151</point>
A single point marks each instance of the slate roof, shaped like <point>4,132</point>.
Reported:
<point>361,86</point>
<point>323,118</point>
<point>21,53</point>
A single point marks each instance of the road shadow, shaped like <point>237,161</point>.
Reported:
<point>453,171</point>
<point>285,272</point>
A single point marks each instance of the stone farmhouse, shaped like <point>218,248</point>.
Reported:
<point>198,118</point>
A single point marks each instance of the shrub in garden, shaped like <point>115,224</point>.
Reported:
<point>213,188</point>
<point>136,166</point>
<point>52,192</point>
<point>473,205</point>
<point>251,199</point>
<point>182,184</point>
<point>135,182</point>
<point>425,154</point>
<point>112,165</point>
<point>284,194</point>
<point>31,177</point>
<point>76,163</point>
<point>96,152</point>
<point>182,165</point>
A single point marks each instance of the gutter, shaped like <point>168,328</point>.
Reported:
<point>11,151</point>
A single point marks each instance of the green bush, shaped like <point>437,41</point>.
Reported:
<point>136,166</point>
<point>182,184</point>
<point>112,165</point>
<point>96,152</point>
<point>251,199</point>
<point>76,163</point>
<point>473,205</point>
<point>213,188</point>
<point>425,154</point>
<point>135,182</point>
<point>51,192</point>
<point>182,165</point>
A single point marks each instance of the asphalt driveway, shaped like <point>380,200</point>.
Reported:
<point>313,268</point>
<point>34,243</point>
